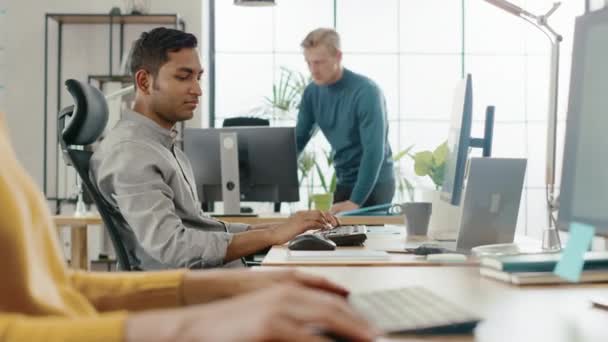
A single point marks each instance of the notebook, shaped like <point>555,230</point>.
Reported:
<point>541,262</point>
<point>534,278</point>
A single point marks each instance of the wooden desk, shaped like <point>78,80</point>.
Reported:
<point>346,220</point>
<point>78,232</point>
<point>516,313</point>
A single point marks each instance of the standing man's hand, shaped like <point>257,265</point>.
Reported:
<point>343,206</point>
<point>301,222</point>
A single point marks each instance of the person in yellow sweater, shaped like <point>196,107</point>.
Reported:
<point>41,300</point>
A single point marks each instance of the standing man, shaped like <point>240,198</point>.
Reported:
<point>350,110</point>
<point>141,172</point>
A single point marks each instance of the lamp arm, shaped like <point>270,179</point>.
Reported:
<point>552,121</point>
<point>541,23</point>
<point>551,239</point>
<point>558,37</point>
<point>553,9</point>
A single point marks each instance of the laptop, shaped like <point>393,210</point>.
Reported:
<point>491,203</point>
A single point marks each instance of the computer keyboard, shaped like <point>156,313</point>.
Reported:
<point>414,310</point>
<point>346,235</point>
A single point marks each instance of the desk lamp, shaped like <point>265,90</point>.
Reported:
<point>551,241</point>
<point>81,209</point>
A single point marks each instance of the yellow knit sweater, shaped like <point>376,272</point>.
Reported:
<point>40,299</point>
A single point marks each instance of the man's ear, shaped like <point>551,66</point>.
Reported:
<point>339,56</point>
<point>143,81</point>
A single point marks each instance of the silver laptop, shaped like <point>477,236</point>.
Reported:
<point>491,203</point>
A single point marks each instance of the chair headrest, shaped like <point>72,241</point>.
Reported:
<point>89,117</point>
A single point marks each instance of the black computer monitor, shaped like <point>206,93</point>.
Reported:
<point>460,140</point>
<point>268,169</point>
<point>584,185</point>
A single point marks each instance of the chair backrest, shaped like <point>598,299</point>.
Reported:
<point>82,124</point>
<point>245,121</point>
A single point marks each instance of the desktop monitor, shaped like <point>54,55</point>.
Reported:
<point>460,140</point>
<point>268,169</point>
<point>584,185</point>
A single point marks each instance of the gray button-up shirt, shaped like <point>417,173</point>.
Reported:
<point>140,171</point>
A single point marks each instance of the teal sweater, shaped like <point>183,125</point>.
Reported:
<point>351,113</point>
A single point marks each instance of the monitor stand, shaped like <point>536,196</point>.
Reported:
<point>445,236</point>
<point>229,161</point>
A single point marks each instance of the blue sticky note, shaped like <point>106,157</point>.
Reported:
<point>570,265</point>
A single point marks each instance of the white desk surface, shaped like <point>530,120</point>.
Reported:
<point>511,313</point>
<point>382,238</point>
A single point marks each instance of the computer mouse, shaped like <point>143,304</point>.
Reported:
<point>311,242</point>
<point>428,249</point>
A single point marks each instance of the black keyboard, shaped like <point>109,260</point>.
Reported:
<point>346,235</point>
<point>413,310</point>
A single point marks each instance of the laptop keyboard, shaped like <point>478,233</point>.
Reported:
<point>346,235</point>
<point>413,309</point>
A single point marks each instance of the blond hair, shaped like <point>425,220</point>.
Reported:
<point>322,36</point>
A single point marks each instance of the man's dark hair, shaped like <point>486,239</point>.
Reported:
<point>151,50</point>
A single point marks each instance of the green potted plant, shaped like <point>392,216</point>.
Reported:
<point>324,200</point>
<point>432,164</point>
<point>286,95</point>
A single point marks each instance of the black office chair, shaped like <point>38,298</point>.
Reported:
<point>80,125</point>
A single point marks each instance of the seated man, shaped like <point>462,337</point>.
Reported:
<point>138,168</point>
<point>41,300</point>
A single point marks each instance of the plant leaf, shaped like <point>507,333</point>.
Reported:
<point>438,175</point>
<point>403,153</point>
<point>321,177</point>
<point>441,153</point>
<point>423,163</point>
<point>334,181</point>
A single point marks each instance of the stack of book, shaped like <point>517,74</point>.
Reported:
<point>532,269</point>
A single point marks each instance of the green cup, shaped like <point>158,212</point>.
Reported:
<point>322,201</point>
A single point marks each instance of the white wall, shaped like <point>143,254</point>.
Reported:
<point>85,49</point>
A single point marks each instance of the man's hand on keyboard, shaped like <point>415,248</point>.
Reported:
<point>301,222</point>
<point>343,206</point>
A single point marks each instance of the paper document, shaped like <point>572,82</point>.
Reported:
<point>362,255</point>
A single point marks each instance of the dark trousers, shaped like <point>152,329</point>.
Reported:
<point>382,193</point>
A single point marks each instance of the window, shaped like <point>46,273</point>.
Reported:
<point>416,50</point>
